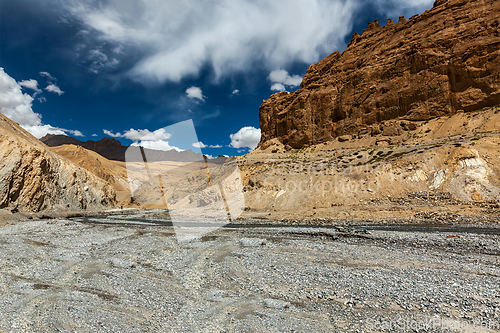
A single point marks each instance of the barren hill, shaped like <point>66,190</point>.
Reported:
<point>113,172</point>
<point>434,64</point>
<point>35,179</point>
<point>120,174</point>
<point>448,166</point>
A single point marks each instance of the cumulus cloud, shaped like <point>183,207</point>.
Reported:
<point>235,92</point>
<point>30,84</point>
<point>281,80</point>
<point>111,134</point>
<point>55,89</point>
<point>17,106</point>
<point>195,93</point>
<point>141,135</point>
<point>156,140</point>
<point>248,137</point>
<point>278,87</point>
<point>282,76</point>
<point>75,133</point>
<point>156,145</point>
<point>39,131</point>
<point>199,145</point>
<point>202,145</point>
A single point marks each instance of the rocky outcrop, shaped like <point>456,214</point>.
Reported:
<point>35,179</point>
<point>437,63</point>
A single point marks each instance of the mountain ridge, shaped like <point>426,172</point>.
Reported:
<point>112,149</point>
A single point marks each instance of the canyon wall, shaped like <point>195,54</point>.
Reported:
<point>438,63</point>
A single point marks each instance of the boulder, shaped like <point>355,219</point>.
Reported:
<point>344,138</point>
<point>390,131</point>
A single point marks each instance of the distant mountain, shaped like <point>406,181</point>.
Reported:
<point>112,149</point>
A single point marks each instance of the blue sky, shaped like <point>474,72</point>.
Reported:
<point>126,68</point>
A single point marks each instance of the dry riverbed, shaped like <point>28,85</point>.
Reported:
<point>130,274</point>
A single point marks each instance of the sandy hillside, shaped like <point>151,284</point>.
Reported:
<point>34,178</point>
<point>139,181</point>
<point>448,165</point>
<point>112,172</point>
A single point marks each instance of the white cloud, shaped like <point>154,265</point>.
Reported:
<point>95,135</point>
<point>179,38</point>
<point>30,84</point>
<point>195,93</point>
<point>40,131</point>
<point>175,39</point>
<point>55,89</point>
<point>235,92</point>
<point>278,87</point>
<point>14,104</point>
<point>141,135</point>
<point>42,99</point>
<point>246,137</point>
<point>282,76</point>
<point>75,133</point>
<point>17,106</point>
<point>199,145</point>
<point>144,138</point>
<point>48,76</point>
<point>282,79</point>
<point>215,146</point>
<point>111,134</point>
<point>156,145</point>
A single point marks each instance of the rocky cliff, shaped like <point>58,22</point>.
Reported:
<point>437,63</point>
<point>35,179</point>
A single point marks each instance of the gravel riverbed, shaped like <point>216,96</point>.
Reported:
<point>127,275</point>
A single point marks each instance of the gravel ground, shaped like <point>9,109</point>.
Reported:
<point>124,274</point>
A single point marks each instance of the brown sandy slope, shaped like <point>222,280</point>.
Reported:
<point>36,179</point>
<point>448,165</point>
<point>112,172</point>
<point>121,174</point>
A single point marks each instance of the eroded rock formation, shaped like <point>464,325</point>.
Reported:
<point>35,179</point>
<point>437,63</point>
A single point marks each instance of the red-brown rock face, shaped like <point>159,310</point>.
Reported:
<point>446,59</point>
